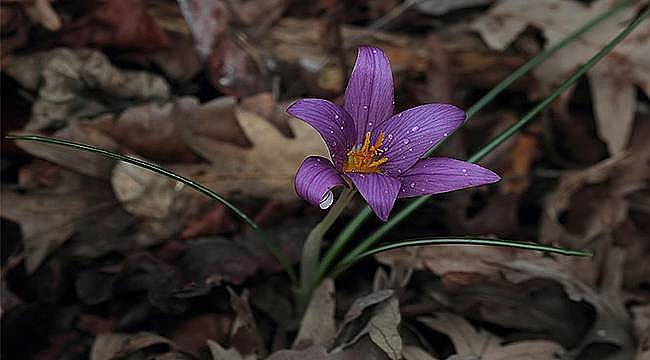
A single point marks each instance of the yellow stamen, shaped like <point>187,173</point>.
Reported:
<point>365,159</point>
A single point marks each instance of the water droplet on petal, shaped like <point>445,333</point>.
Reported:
<point>412,185</point>
<point>415,128</point>
<point>336,116</point>
<point>370,123</point>
<point>390,136</point>
<point>410,149</point>
<point>399,115</point>
<point>341,127</point>
<point>374,51</point>
<point>405,141</point>
<point>327,200</point>
<point>365,107</point>
<point>331,131</point>
<point>399,171</point>
<point>445,134</point>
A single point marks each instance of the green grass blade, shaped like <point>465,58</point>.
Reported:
<point>413,205</point>
<point>272,246</point>
<point>365,213</point>
<point>460,241</point>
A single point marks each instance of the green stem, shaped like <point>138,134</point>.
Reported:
<point>311,249</point>
<point>413,205</point>
<point>459,241</point>
<point>363,215</point>
<point>272,246</point>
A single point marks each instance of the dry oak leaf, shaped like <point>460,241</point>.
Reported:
<point>318,325</point>
<point>266,169</point>
<point>612,80</point>
<point>479,344</point>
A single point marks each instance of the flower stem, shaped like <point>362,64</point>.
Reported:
<point>311,249</point>
<point>416,203</point>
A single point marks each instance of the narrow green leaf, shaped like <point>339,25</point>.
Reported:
<point>462,240</point>
<point>270,243</point>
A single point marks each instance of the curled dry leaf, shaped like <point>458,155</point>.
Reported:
<point>143,192</point>
<point>80,83</point>
<point>480,344</point>
<point>612,80</point>
<point>266,169</point>
<point>376,315</point>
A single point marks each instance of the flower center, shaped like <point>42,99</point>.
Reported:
<point>365,159</point>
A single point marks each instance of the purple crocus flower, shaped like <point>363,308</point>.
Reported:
<point>375,151</point>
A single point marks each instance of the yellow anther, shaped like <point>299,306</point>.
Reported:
<point>364,159</point>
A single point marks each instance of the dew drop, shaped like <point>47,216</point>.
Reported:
<point>415,128</point>
<point>336,116</point>
<point>445,134</point>
<point>412,185</point>
<point>405,141</point>
<point>370,123</point>
<point>331,131</point>
<point>390,136</point>
<point>341,128</point>
<point>399,171</point>
<point>365,107</point>
<point>410,149</point>
<point>399,115</point>
<point>374,51</point>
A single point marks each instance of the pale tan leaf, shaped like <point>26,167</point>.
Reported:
<point>143,192</point>
<point>318,326</point>
<point>383,328</point>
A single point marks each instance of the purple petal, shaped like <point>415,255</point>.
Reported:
<point>333,124</point>
<point>369,95</point>
<point>314,179</point>
<point>438,175</point>
<point>379,191</point>
<point>409,134</point>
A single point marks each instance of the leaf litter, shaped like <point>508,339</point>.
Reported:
<point>104,260</point>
